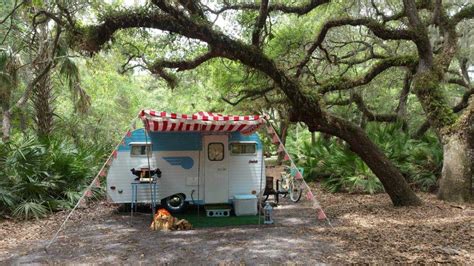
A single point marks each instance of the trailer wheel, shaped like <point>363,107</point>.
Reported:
<point>175,203</point>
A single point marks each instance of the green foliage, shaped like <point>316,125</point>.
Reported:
<point>43,176</point>
<point>345,170</point>
<point>420,161</point>
<point>30,209</point>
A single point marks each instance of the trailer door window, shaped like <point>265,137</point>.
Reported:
<point>215,151</point>
<point>140,150</point>
<point>243,148</point>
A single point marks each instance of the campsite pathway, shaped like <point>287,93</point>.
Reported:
<point>115,237</point>
<point>367,229</point>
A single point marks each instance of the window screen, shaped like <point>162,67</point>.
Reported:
<point>215,151</point>
<point>140,150</point>
<point>243,148</point>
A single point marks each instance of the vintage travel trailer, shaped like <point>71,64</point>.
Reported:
<point>202,159</point>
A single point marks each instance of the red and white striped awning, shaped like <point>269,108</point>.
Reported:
<point>202,121</point>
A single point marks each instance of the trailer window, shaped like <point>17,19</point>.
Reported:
<point>140,150</point>
<point>215,151</point>
<point>243,148</point>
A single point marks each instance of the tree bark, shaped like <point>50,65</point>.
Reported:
<point>6,122</point>
<point>283,133</point>
<point>42,101</point>
<point>455,183</point>
<point>456,135</point>
<point>42,92</point>
<point>5,98</point>
<point>457,175</point>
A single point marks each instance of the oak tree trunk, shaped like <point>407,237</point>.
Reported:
<point>455,133</point>
<point>455,183</point>
<point>457,175</point>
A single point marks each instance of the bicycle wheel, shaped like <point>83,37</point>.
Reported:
<point>284,185</point>
<point>295,190</point>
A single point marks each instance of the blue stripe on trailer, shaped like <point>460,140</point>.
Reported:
<point>164,141</point>
<point>179,141</point>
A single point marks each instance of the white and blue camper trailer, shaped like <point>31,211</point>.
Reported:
<point>201,167</point>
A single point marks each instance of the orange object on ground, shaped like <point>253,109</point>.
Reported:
<point>163,220</point>
<point>162,212</point>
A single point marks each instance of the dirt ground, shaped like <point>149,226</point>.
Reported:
<point>366,229</point>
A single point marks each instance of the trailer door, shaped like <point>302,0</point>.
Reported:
<point>216,180</point>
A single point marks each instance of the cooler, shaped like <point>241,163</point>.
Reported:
<point>245,205</point>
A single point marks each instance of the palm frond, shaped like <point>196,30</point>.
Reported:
<point>70,72</point>
<point>30,209</point>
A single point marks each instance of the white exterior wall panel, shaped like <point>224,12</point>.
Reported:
<point>173,178</point>
<point>245,175</point>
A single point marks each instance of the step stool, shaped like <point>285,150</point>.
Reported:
<point>218,211</point>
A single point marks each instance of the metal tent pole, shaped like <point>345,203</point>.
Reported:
<point>150,181</point>
<point>261,193</point>
<point>199,171</point>
<point>199,178</point>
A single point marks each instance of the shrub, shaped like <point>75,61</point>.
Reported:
<point>38,177</point>
<point>419,161</point>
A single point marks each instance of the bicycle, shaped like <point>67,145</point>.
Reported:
<point>287,185</point>
<point>291,185</point>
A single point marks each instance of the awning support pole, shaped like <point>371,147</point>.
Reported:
<point>148,150</point>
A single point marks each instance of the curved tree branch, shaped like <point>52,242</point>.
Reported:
<point>92,38</point>
<point>402,102</point>
<point>465,13</point>
<point>299,10</point>
<point>371,116</point>
<point>260,22</point>
<point>381,66</point>
<point>373,25</point>
<point>193,7</point>
<point>248,93</point>
<point>421,40</point>
<point>182,65</point>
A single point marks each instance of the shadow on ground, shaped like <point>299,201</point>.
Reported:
<point>116,237</point>
<point>367,229</point>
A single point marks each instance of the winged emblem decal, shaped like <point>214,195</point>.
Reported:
<point>184,161</point>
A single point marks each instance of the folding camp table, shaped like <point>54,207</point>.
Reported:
<point>135,185</point>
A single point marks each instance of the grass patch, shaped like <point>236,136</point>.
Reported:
<point>202,221</point>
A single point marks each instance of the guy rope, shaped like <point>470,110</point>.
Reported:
<point>309,194</point>
<point>95,182</point>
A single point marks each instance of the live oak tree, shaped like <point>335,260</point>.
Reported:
<point>456,133</point>
<point>420,37</point>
